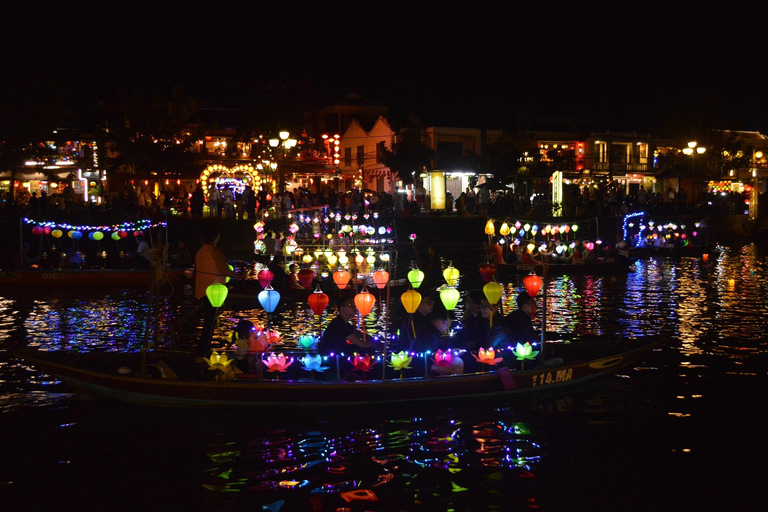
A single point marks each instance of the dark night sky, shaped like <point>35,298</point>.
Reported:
<point>481,61</point>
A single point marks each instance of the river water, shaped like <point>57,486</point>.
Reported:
<point>684,430</point>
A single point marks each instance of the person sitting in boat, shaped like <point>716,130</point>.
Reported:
<point>341,336</point>
<point>472,330</point>
<point>143,256</point>
<point>528,258</point>
<point>493,326</point>
<point>413,324</point>
<point>519,323</point>
<point>73,258</point>
<point>580,253</point>
<point>247,342</point>
<point>429,340</point>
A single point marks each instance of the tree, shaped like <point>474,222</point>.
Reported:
<point>409,156</point>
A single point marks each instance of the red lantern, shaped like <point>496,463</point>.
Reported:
<point>47,230</point>
<point>122,234</point>
<point>265,277</point>
<point>341,278</point>
<point>137,233</point>
<point>318,301</point>
<point>306,276</point>
<point>37,230</point>
<point>532,284</point>
<point>364,302</point>
<point>380,278</point>
<point>487,271</point>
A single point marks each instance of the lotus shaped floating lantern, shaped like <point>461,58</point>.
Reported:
<point>415,277</point>
<point>487,357</point>
<point>443,358</point>
<point>523,352</point>
<point>223,365</point>
<point>277,363</point>
<point>532,284</point>
<point>400,361</point>
<point>265,340</point>
<point>313,363</point>
<point>363,363</point>
<point>307,342</point>
<point>318,301</point>
<point>265,277</point>
<point>451,275</point>
<point>487,271</point>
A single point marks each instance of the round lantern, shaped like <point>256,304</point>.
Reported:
<point>489,227</point>
<point>57,233</point>
<point>341,278</point>
<point>98,235</point>
<point>415,277</point>
<point>115,236</point>
<point>37,230</point>
<point>265,277</point>
<point>364,302</point>
<point>487,271</point>
<point>269,298</point>
<point>532,284</point>
<point>122,234</point>
<point>47,230</point>
<point>504,229</point>
<point>380,278</point>
<point>411,300</point>
<point>449,296</point>
<point>306,276</point>
<point>75,235</point>
<point>90,235</point>
<point>217,294</point>
<point>492,292</point>
<point>318,301</point>
<point>451,275</point>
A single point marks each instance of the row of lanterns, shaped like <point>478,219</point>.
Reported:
<point>527,228</point>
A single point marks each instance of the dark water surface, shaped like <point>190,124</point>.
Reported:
<point>684,430</point>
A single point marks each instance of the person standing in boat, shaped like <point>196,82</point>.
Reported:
<point>210,267</point>
<point>342,336</point>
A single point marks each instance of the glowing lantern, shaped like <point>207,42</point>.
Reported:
<point>487,356</point>
<point>532,284</point>
<point>259,227</point>
<point>380,278</point>
<point>411,300</point>
<point>492,292</point>
<point>47,230</point>
<point>56,233</point>
<point>415,277</point>
<point>451,275</point>
<point>487,271</point>
<point>523,352</point>
<point>307,342</point>
<point>341,278</point>
<point>217,294</point>
<point>75,235</point>
<point>364,302</point>
<point>318,302</point>
<point>269,298</point>
<point>98,235</point>
<point>307,258</point>
<point>531,246</point>
<point>332,259</point>
<point>306,275</point>
<point>265,277</point>
<point>37,230</point>
<point>370,259</point>
<point>363,363</point>
<point>449,296</point>
<point>489,228</point>
<point>122,234</point>
<point>504,229</point>
<point>575,228</point>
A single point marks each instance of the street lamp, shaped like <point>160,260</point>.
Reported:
<point>284,143</point>
<point>692,149</point>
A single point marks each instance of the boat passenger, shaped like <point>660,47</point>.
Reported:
<point>247,342</point>
<point>493,326</point>
<point>341,336</point>
<point>472,329</point>
<point>143,256</point>
<point>519,324</point>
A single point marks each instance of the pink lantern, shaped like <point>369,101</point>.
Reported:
<point>265,277</point>
<point>37,230</point>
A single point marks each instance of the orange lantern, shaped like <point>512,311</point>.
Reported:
<point>532,284</point>
<point>318,301</point>
<point>364,302</point>
<point>380,278</point>
<point>411,300</point>
<point>341,278</point>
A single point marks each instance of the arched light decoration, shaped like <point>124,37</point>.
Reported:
<point>380,278</point>
<point>490,229</point>
<point>504,229</point>
<point>217,294</point>
<point>341,278</point>
<point>269,298</point>
<point>449,296</point>
<point>451,275</point>
<point>365,301</point>
<point>532,284</point>
<point>415,277</point>
<point>411,300</point>
<point>317,301</point>
<point>492,292</point>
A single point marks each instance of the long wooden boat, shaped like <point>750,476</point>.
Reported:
<point>507,270</point>
<point>87,277</point>
<point>107,375</point>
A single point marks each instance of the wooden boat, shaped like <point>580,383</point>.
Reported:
<point>679,251</point>
<point>88,277</point>
<point>117,376</point>
<point>624,266</point>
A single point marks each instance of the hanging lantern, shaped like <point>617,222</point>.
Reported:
<point>489,227</point>
<point>451,275</point>
<point>37,230</point>
<point>504,229</point>
<point>332,259</point>
<point>259,227</point>
<point>411,300</point>
<point>269,298</point>
<point>122,234</point>
<point>265,277</point>
<point>575,228</point>
<point>307,258</point>
<point>370,259</point>
<point>449,296</point>
<point>75,235</point>
<point>531,246</point>
<point>487,271</point>
<point>47,230</point>
<point>415,277</point>
<point>306,276</point>
<point>492,292</point>
<point>532,284</point>
<point>98,235</point>
<point>57,233</point>
<point>341,278</point>
<point>380,278</point>
<point>217,294</point>
<point>318,301</point>
<point>364,302</point>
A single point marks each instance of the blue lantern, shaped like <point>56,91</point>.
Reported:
<point>269,298</point>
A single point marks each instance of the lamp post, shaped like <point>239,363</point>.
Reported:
<point>757,156</point>
<point>692,150</point>
<point>283,144</point>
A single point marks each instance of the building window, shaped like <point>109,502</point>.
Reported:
<point>381,149</point>
<point>347,157</point>
<point>601,156</point>
<point>360,155</point>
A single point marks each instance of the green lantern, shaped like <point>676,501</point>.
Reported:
<point>415,277</point>
<point>449,296</point>
<point>217,294</point>
<point>115,236</point>
<point>98,235</point>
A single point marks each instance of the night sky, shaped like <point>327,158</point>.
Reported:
<point>472,63</point>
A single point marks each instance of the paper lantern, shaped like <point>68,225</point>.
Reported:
<point>364,302</point>
<point>504,229</point>
<point>75,235</point>
<point>492,292</point>
<point>98,235</point>
<point>47,230</point>
<point>318,301</point>
<point>137,233</point>
<point>341,278</point>
<point>532,284</point>
<point>451,275</point>
<point>217,294</point>
<point>57,233</point>
<point>122,234</point>
<point>487,271</point>
<point>115,236</point>
<point>411,300</point>
<point>306,276</point>
<point>269,298</point>
<point>489,227</point>
<point>37,230</point>
<point>265,277</point>
<point>380,278</point>
<point>449,296</point>
<point>415,277</point>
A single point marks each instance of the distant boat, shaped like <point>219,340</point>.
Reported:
<point>88,277</point>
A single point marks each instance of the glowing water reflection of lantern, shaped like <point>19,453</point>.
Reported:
<point>217,294</point>
<point>451,275</point>
<point>411,300</point>
<point>364,302</point>
<point>318,302</point>
<point>269,299</point>
<point>380,278</point>
<point>341,278</point>
<point>415,277</point>
<point>532,284</point>
<point>449,296</point>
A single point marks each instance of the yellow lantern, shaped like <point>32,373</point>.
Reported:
<point>307,258</point>
<point>343,258</point>
<point>411,300</point>
<point>332,259</point>
<point>489,227</point>
<point>451,275</point>
<point>531,246</point>
<point>492,291</point>
<point>504,229</point>
<point>318,253</point>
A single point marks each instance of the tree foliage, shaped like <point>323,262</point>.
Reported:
<point>407,157</point>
